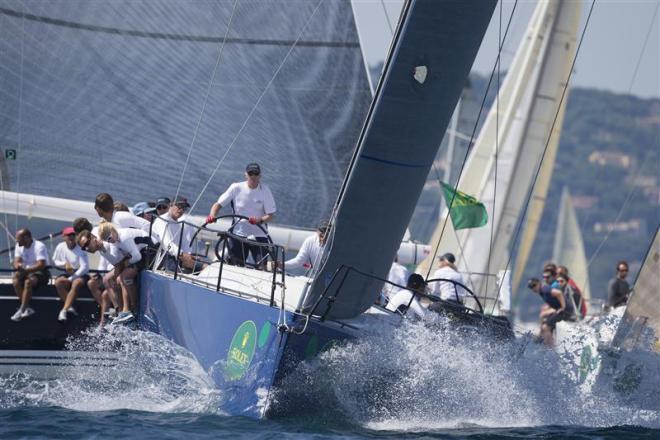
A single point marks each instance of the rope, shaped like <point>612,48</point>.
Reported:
<point>497,145</point>
<point>254,107</point>
<point>206,99</point>
<point>599,175</point>
<point>20,122</point>
<point>387,17</point>
<point>552,127</point>
<point>472,136</point>
<point>646,156</point>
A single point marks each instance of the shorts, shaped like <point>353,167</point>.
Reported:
<point>552,320</point>
<point>42,277</point>
<point>85,277</point>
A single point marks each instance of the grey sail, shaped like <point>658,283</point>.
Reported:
<point>434,48</point>
<point>120,90</point>
<point>640,326</point>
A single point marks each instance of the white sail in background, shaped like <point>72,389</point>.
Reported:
<point>537,202</point>
<point>568,248</point>
<point>510,145</point>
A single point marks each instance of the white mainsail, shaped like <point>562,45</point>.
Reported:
<point>568,248</point>
<point>511,145</point>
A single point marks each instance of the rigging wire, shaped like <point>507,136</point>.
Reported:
<point>206,99</point>
<point>387,17</point>
<point>19,145</point>
<point>646,160</point>
<point>550,132</point>
<point>599,175</point>
<point>497,147</point>
<point>472,136</point>
<point>254,107</point>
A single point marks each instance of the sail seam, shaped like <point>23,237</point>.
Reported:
<point>174,37</point>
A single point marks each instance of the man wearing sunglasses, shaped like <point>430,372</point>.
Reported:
<point>618,288</point>
<point>168,228</point>
<point>122,250</point>
<point>251,199</point>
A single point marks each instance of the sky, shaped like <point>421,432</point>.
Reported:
<point>607,60</point>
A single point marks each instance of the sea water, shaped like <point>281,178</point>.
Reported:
<point>416,381</point>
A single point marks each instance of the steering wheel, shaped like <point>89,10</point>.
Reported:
<point>236,218</point>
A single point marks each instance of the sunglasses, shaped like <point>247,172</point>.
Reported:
<point>253,173</point>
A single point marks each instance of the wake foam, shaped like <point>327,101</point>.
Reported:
<point>415,378</point>
<point>144,372</point>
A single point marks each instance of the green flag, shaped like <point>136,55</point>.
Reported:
<point>466,211</point>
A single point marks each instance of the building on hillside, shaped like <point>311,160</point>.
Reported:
<point>584,202</point>
<point>634,226</point>
<point>611,158</point>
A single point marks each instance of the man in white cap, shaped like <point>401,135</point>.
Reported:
<point>251,199</point>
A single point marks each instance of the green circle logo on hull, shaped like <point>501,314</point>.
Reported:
<point>241,350</point>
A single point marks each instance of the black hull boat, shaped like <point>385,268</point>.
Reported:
<point>37,346</point>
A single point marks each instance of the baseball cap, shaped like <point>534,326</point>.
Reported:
<point>163,201</point>
<point>253,167</point>
<point>323,225</point>
<point>142,208</point>
<point>181,202</point>
<point>68,231</point>
<point>448,257</point>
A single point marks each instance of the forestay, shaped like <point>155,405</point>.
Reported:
<point>107,95</point>
<point>434,48</point>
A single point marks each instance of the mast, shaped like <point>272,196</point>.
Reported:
<point>434,48</point>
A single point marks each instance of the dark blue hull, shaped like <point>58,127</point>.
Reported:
<point>238,342</point>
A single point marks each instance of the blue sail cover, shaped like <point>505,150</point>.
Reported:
<point>106,96</point>
<point>434,49</point>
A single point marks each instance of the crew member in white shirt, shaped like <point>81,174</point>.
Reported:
<point>121,247</point>
<point>404,300</point>
<point>73,260</point>
<point>398,275</point>
<point>168,229</point>
<point>104,206</point>
<point>95,284</point>
<point>309,254</point>
<point>251,199</point>
<point>448,290</point>
<point>30,262</point>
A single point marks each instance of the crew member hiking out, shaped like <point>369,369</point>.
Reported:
<point>73,260</point>
<point>251,199</point>
<point>558,308</point>
<point>30,262</point>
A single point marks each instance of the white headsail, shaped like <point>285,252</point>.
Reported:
<point>568,248</point>
<point>528,102</point>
